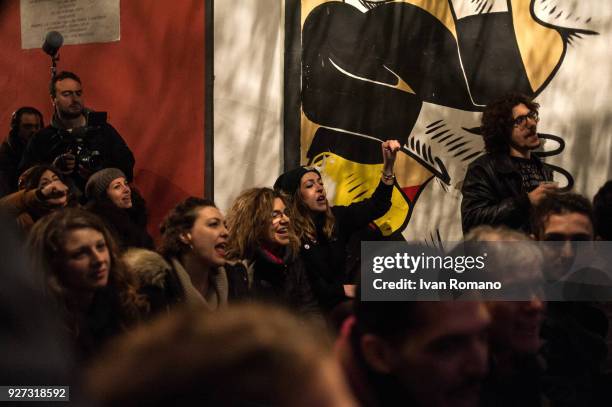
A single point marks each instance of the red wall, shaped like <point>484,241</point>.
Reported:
<point>151,82</point>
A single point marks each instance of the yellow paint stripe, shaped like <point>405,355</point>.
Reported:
<point>541,47</point>
<point>309,5</point>
<point>308,129</point>
<point>440,9</point>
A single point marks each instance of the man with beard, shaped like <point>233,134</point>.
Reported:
<point>73,144</point>
<point>416,353</point>
<point>501,186</point>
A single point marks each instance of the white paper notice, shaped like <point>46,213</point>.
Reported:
<point>79,21</point>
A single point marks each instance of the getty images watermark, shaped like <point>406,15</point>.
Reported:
<point>510,271</point>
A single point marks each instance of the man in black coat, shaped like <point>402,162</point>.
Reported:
<point>501,186</point>
<point>75,143</point>
<point>25,122</point>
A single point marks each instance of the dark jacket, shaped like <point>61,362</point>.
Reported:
<point>575,350</point>
<point>10,156</point>
<point>522,387</point>
<point>53,141</point>
<point>102,322</point>
<point>129,226</point>
<point>282,281</point>
<point>493,193</point>
<point>325,259</point>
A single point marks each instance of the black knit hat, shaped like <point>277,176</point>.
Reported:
<point>289,182</point>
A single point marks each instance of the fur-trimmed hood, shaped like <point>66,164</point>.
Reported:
<point>154,271</point>
<point>149,266</point>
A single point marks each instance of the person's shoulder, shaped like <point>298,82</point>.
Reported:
<point>236,266</point>
<point>5,146</point>
<point>484,159</point>
<point>495,162</point>
<point>108,128</point>
<point>238,270</point>
<point>50,129</point>
<point>44,135</point>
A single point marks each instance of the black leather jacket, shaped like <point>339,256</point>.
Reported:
<point>493,194</point>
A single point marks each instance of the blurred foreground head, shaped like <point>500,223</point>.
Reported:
<point>248,355</point>
<point>33,349</point>
<point>426,353</point>
<point>518,262</point>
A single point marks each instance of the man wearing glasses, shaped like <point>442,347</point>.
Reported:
<point>501,186</point>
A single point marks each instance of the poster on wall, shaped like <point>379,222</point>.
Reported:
<point>79,21</point>
<point>422,72</point>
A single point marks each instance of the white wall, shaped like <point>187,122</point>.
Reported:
<point>248,88</point>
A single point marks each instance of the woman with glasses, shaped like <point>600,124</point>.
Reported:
<point>261,235</point>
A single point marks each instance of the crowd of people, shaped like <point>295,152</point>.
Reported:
<point>255,308</point>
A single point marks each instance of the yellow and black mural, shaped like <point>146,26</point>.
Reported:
<point>421,71</point>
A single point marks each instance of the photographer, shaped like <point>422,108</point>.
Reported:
<point>79,142</point>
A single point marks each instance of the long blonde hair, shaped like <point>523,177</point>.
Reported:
<point>248,221</point>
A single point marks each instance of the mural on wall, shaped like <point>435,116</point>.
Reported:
<point>421,71</point>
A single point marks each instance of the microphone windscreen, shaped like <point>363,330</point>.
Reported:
<point>53,42</point>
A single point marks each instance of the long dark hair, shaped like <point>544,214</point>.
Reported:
<point>303,219</point>
<point>129,225</point>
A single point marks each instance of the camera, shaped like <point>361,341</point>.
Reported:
<point>77,142</point>
<point>89,159</point>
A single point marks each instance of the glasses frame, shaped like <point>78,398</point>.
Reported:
<point>520,121</point>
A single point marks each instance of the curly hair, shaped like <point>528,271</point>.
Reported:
<point>248,221</point>
<point>558,204</point>
<point>497,121</point>
<point>46,245</point>
<point>178,221</point>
